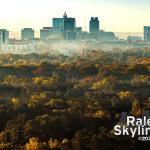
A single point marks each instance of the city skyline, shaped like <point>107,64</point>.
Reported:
<point>114,15</point>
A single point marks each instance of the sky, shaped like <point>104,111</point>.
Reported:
<point>114,15</point>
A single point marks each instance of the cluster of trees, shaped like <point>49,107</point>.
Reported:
<point>71,103</point>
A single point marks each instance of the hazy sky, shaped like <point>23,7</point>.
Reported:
<point>114,15</point>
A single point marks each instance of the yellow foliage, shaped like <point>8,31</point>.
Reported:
<point>5,146</point>
<point>103,84</point>
<point>53,144</point>
<point>43,95</point>
<point>35,98</point>
<point>136,109</point>
<point>65,141</point>
<point>36,80</point>
<point>45,81</point>
<point>140,80</point>
<point>33,144</point>
<point>2,137</point>
<point>15,101</point>
<point>125,95</point>
<point>99,114</point>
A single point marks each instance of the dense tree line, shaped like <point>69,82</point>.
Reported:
<point>71,102</point>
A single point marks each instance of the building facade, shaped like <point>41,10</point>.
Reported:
<point>134,38</point>
<point>106,36</point>
<point>69,28</point>
<point>4,36</point>
<point>147,33</point>
<point>27,34</point>
<point>65,27</point>
<point>94,28</point>
<point>58,25</point>
<point>94,25</point>
<point>46,33</point>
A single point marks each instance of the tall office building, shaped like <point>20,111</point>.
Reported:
<point>4,36</point>
<point>65,27</point>
<point>69,24</point>
<point>94,28</point>
<point>69,28</point>
<point>46,33</point>
<point>27,34</point>
<point>147,33</point>
<point>58,24</point>
<point>94,25</point>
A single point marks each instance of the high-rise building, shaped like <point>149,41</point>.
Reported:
<point>69,24</point>
<point>147,33</point>
<point>58,25</point>
<point>46,33</point>
<point>94,25</point>
<point>4,36</point>
<point>94,28</point>
<point>27,34</point>
<point>69,28</point>
<point>65,27</point>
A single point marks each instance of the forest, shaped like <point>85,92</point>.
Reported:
<point>57,102</point>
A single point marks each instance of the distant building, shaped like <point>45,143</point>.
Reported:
<point>70,35</point>
<point>17,48</point>
<point>4,36</point>
<point>94,25</point>
<point>78,29</point>
<point>82,35</point>
<point>58,25</point>
<point>78,33</point>
<point>69,27</point>
<point>27,34</point>
<point>46,33</point>
<point>134,38</point>
<point>65,27</point>
<point>94,28</point>
<point>147,33</point>
<point>69,24</point>
<point>106,36</point>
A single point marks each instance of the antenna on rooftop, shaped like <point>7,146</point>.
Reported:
<point>65,15</point>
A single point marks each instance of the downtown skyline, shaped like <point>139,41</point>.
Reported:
<point>114,15</point>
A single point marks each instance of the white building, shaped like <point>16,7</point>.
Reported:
<point>17,48</point>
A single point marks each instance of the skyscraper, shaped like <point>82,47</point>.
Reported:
<point>58,25</point>
<point>69,24</point>
<point>4,36</point>
<point>94,28</point>
<point>94,25</point>
<point>65,26</point>
<point>69,27</point>
<point>27,34</point>
<point>147,33</point>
